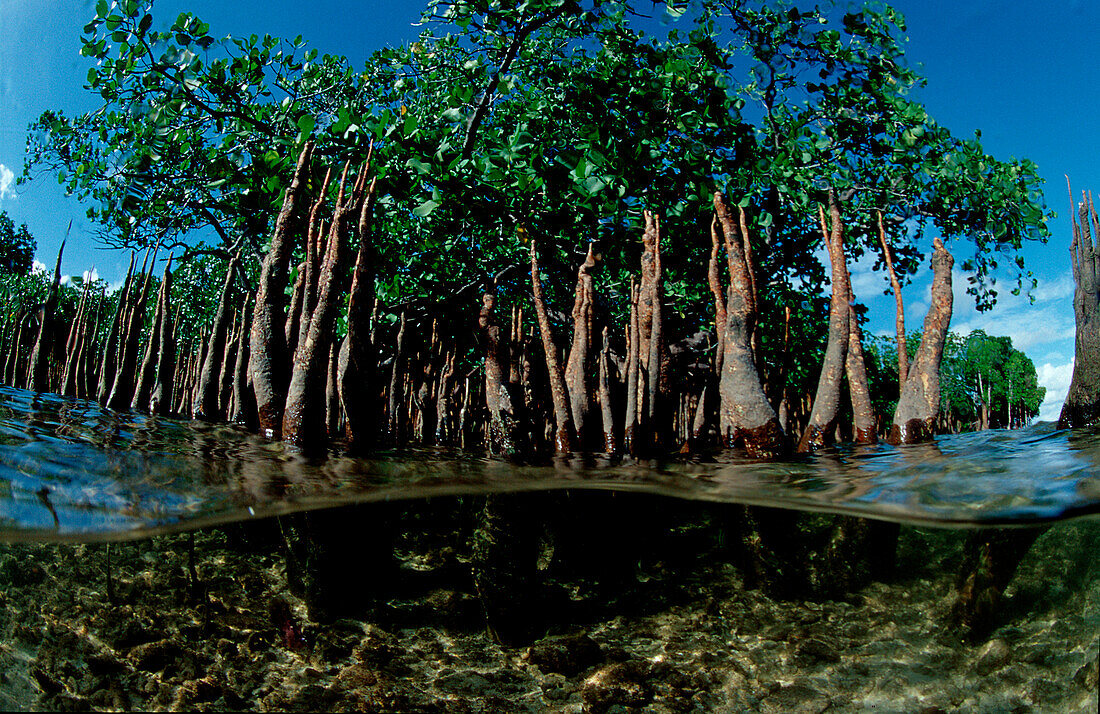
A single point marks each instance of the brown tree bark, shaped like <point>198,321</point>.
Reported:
<point>1082,405</point>
<point>304,416</point>
<point>654,358</point>
<point>895,284</point>
<point>607,413</point>
<point>109,361</point>
<point>73,344</point>
<point>504,423</point>
<point>160,402</point>
<point>357,368</point>
<point>565,438</point>
<point>397,373</point>
<point>147,373</point>
<point>631,443</point>
<point>244,399</point>
<point>822,423</point>
<point>269,362</point>
<point>714,279</point>
<point>209,389</point>
<point>122,392</point>
<point>863,413</point>
<point>577,382</point>
<point>38,370</point>
<point>920,395</point>
<point>745,415</point>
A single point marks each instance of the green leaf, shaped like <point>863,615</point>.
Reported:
<point>425,209</point>
<point>306,123</point>
<point>419,165</point>
<point>145,24</point>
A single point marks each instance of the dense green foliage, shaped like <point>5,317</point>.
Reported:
<point>985,381</point>
<point>568,119</point>
<point>16,247</point>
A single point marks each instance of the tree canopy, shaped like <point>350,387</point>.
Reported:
<point>17,247</point>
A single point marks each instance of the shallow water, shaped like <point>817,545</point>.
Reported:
<point>71,470</point>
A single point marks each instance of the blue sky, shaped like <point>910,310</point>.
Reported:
<point>1026,74</point>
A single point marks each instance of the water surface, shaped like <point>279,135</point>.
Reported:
<point>71,470</point>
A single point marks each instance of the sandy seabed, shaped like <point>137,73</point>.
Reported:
<point>685,636</point>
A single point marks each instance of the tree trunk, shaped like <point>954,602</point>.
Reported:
<point>576,374</point>
<point>899,323</point>
<point>38,372</point>
<point>122,392</point>
<point>745,415</point>
<point>1082,405</point>
<point>564,429</point>
<point>503,418</point>
<point>607,414</point>
<point>356,368</point>
<point>110,348</point>
<point>397,373</point>
<point>920,396</point>
<point>630,425</point>
<point>655,379</point>
<point>304,416</point>
<point>147,374</point>
<point>819,430</point>
<point>269,362</point>
<point>161,400</point>
<point>863,414</point>
<point>206,398</point>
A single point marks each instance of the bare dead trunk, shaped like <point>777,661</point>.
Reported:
<point>1082,405</point>
<point>209,389</point>
<point>269,361</point>
<point>745,415</point>
<point>920,396</point>
<point>564,429</point>
<point>819,430</point>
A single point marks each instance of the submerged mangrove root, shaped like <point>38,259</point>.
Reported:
<point>504,559</point>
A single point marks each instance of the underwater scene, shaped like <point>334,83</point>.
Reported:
<point>589,356</point>
<point>143,569</point>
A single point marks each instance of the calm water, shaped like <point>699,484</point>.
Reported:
<point>70,470</point>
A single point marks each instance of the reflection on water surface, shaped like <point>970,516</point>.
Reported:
<point>70,469</point>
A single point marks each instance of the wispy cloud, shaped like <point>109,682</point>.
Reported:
<point>7,180</point>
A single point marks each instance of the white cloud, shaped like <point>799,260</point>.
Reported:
<point>1056,378</point>
<point>90,276</point>
<point>1048,321</point>
<point>7,180</point>
<point>38,267</point>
